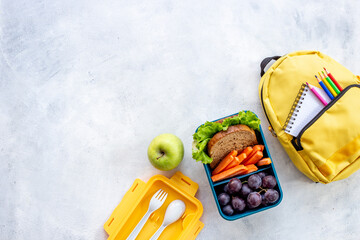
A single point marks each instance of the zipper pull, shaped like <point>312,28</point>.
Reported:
<point>272,131</point>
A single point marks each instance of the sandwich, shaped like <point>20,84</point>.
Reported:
<point>215,140</point>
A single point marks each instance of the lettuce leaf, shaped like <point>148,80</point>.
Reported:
<point>206,131</point>
<point>250,119</point>
<point>199,152</point>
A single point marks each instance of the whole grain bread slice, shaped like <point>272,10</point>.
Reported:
<point>236,137</point>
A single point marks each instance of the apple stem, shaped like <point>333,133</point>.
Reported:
<point>162,154</point>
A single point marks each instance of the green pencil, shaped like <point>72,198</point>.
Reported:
<point>331,84</point>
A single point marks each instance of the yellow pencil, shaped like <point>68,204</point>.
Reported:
<point>327,85</point>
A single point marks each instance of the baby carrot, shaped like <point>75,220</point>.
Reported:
<point>225,162</point>
<point>250,168</point>
<point>237,170</point>
<point>254,159</point>
<point>247,151</point>
<point>256,148</point>
<point>263,162</point>
<point>237,160</point>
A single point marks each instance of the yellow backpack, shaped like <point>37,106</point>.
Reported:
<point>328,147</point>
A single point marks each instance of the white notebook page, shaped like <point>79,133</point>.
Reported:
<point>306,109</point>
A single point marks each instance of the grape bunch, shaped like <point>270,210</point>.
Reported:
<point>257,190</point>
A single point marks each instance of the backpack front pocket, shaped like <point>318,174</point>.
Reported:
<point>331,140</point>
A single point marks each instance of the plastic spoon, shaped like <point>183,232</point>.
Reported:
<point>173,212</point>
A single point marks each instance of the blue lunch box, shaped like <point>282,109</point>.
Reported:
<point>218,187</point>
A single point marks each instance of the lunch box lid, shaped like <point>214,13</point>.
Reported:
<point>135,198</point>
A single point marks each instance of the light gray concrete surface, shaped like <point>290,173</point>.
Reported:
<point>86,85</point>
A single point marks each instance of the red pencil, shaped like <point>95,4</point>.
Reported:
<point>333,79</point>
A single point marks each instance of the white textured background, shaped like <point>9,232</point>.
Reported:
<point>86,85</point>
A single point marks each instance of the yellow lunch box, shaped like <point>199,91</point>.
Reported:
<point>135,203</point>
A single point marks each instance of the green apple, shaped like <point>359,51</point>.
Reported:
<point>166,151</point>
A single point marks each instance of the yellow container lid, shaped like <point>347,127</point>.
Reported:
<point>135,203</point>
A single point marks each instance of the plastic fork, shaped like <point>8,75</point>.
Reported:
<point>156,202</point>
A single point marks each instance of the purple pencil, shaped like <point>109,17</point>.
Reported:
<point>317,94</point>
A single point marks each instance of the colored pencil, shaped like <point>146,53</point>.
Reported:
<point>333,79</point>
<point>331,84</point>
<point>325,88</point>
<point>327,85</point>
<point>317,94</point>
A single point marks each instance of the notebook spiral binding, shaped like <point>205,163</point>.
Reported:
<point>295,108</point>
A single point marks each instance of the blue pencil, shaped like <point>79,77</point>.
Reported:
<point>325,88</point>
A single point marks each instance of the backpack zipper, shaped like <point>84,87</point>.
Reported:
<point>329,105</point>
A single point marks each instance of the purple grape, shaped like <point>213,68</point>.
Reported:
<point>223,199</point>
<point>228,210</point>
<point>238,204</point>
<point>245,190</point>
<point>226,188</point>
<point>234,186</point>
<point>249,206</point>
<point>264,202</point>
<point>254,199</point>
<point>271,195</point>
<point>254,181</point>
<point>269,181</point>
<point>261,174</point>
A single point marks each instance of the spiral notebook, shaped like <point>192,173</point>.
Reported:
<point>305,107</point>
